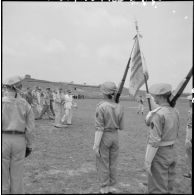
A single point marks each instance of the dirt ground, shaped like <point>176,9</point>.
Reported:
<point>63,162</point>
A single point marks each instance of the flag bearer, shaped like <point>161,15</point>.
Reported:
<point>17,127</point>
<point>160,158</point>
<point>109,119</point>
<point>188,141</point>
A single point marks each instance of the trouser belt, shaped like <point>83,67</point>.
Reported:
<point>13,132</point>
<point>168,143</point>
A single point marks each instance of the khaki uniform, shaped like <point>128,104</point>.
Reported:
<point>17,115</point>
<point>46,106</point>
<point>109,119</point>
<point>164,128</point>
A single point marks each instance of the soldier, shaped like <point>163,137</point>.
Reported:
<point>46,106</point>
<point>109,119</point>
<point>68,108</point>
<point>160,158</point>
<point>188,141</point>
<point>17,127</point>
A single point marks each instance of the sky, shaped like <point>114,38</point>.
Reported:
<point>90,42</point>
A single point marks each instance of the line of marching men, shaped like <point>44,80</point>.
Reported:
<point>160,158</point>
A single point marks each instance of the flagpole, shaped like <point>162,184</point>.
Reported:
<point>120,88</point>
<point>145,79</point>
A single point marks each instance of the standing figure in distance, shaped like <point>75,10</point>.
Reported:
<point>58,107</point>
<point>141,105</point>
<point>108,120</point>
<point>160,157</point>
<point>46,106</point>
<point>17,127</point>
<point>68,108</point>
<point>188,141</point>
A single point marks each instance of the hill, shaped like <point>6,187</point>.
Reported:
<point>87,91</point>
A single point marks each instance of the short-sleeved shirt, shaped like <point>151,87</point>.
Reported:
<point>68,101</point>
<point>17,115</point>
<point>164,125</point>
<point>109,116</point>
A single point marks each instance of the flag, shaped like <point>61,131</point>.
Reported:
<point>137,69</point>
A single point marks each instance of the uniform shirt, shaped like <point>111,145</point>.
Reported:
<point>189,126</point>
<point>164,125</point>
<point>58,97</point>
<point>17,115</point>
<point>68,101</point>
<point>46,99</point>
<point>109,116</point>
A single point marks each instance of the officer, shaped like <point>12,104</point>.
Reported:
<point>109,119</point>
<point>188,141</point>
<point>17,127</point>
<point>160,158</point>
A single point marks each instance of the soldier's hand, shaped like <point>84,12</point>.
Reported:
<point>148,96</point>
<point>28,151</point>
<point>96,150</point>
<point>147,167</point>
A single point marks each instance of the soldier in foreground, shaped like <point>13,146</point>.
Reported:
<point>17,127</point>
<point>109,119</point>
<point>160,158</point>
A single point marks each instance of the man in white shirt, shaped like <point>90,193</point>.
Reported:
<point>68,108</point>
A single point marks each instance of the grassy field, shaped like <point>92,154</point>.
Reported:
<point>63,161</point>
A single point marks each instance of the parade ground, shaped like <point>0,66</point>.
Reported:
<point>63,162</point>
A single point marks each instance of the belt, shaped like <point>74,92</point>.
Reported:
<point>168,143</point>
<point>13,132</point>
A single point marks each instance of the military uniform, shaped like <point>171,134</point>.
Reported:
<point>161,153</point>
<point>109,119</point>
<point>17,127</point>
<point>46,107</point>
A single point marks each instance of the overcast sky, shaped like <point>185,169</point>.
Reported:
<point>91,42</point>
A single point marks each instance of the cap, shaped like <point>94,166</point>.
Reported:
<point>189,97</point>
<point>160,89</point>
<point>108,88</point>
<point>13,80</point>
